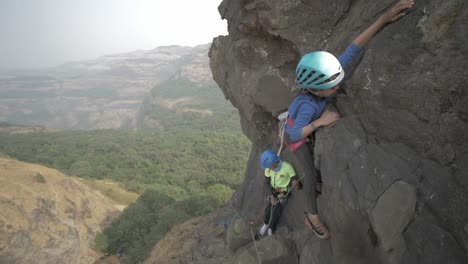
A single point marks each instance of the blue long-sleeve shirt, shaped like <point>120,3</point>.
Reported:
<point>304,108</point>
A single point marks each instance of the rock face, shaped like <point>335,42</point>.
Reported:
<point>48,217</point>
<point>237,235</point>
<point>200,239</point>
<point>391,215</point>
<point>394,168</point>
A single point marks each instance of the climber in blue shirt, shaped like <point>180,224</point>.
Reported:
<point>319,75</point>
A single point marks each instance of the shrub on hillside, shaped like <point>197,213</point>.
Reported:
<point>145,222</point>
<point>39,178</point>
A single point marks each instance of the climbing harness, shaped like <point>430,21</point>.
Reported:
<point>286,120</point>
<point>283,200</point>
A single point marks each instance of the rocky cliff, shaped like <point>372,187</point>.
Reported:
<point>394,168</point>
<point>48,217</point>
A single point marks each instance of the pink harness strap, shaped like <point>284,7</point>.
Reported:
<point>294,146</point>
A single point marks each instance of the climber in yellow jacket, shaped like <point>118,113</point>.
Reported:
<point>280,176</point>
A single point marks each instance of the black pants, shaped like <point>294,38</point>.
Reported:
<point>277,210</point>
<point>303,162</point>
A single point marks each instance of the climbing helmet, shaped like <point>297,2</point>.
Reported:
<point>268,158</point>
<point>319,70</point>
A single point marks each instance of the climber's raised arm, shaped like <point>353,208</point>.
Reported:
<point>392,15</point>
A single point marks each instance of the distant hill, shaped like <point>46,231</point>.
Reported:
<point>108,92</point>
<point>22,129</point>
<point>48,217</point>
<point>181,103</point>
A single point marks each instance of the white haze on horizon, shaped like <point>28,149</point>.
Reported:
<point>46,33</point>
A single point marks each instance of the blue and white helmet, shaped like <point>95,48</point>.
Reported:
<point>319,70</point>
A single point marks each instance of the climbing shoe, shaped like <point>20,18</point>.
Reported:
<point>261,233</point>
<point>257,236</point>
<point>263,229</point>
<point>319,229</point>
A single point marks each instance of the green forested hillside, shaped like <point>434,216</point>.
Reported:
<point>145,222</point>
<point>186,159</point>
<point>177,164</point>
<point>180,175</point>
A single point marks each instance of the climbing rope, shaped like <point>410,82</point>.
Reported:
<point>283,117</point>
<point>272,210</point>
<point>255,244</point>
<point>251,232</point>
<point>250,225</point>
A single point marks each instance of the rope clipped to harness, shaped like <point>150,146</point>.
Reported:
<point>283,118</point>
<point>283,200</point>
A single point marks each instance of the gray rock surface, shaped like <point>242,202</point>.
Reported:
<point>243,255</point>
<point>316,251</point>
<point>271,250</point>
<point>238,235</point>
<point>391,215</point>
<point>405,112</point>
<point>276,250</point>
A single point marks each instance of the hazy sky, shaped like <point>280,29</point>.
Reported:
<point>43,33</point>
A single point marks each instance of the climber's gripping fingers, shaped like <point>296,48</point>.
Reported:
<point>272,199</point>
<point>397,11</point>
<point>295,184</point>
<point>327,118</point>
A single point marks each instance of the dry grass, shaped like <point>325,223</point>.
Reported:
<point>48,208</point>
<point>112,190</point>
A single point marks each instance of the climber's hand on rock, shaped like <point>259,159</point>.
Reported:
<point>295,184</point>
<point>396,11</point>
<point>328,117</point>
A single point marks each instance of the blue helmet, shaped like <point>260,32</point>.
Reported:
<point>268,158</point>
<point>319,70</point>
